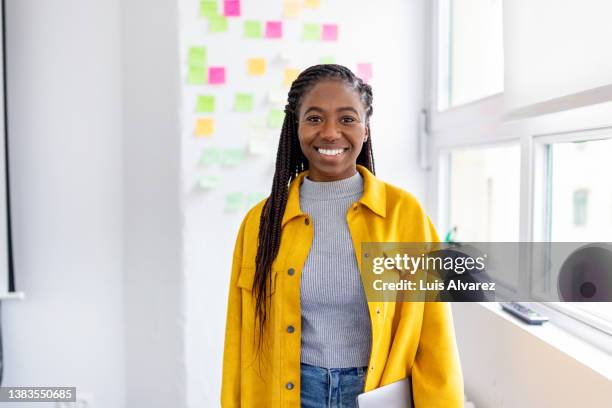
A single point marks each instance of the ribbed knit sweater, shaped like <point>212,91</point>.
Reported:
<point>336,330</point>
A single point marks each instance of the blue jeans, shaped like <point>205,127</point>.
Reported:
<point>330,387</point>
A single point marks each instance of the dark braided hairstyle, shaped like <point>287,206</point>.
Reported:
<point>290,161</point>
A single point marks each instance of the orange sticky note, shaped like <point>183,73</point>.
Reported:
<point>312,3</point>
<point>290,75</point>
<point>256,66</point>
<point>205,127</point>
<point>291,8</point>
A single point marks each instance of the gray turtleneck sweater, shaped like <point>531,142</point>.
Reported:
<point>336,329</point>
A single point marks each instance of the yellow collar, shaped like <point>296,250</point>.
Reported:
<point>374,195</point>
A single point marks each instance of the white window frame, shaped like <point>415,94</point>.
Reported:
<point>484,123</point>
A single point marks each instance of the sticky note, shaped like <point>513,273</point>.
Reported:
<point>205,103</point>
<point>252,29</point>
<point>327,60</point>
<point>197,56</point>
<point>232,157</point>
<point>209,182</point>
<point>274,29</point>
<point>211,155</point>
<point>205,127</point>
<point>216,75</point>
<point>364,71</point>
<point>208,8</point>
<point>256,66</point>
<point>196,75</point>
<point>243,102</point>
<point>311,32</point>
<point>330,32</point>
<point>276,118</point>
<point>231,8</point>
<point>217,24</point>
<point>291,8</point>
<point>290,75</point>
<point>234,201</point>
<point>312,3</point>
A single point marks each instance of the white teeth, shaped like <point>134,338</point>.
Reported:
<point>330,152</point>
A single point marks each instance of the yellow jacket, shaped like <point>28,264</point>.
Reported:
<point>409,338</point>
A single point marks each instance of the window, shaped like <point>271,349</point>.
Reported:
<point>539,176</point>
<point>580,191</point>
<point>484,193</point>
<point>470,51</point>
<point>580,208</point>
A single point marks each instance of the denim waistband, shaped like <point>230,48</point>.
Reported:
<point>340,370</point>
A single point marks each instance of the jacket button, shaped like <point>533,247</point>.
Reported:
<point>291,271</point>
<point>289,385</point>
<point>290,329</point>
<point>306,221</point>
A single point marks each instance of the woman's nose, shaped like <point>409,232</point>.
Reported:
<point>330,131</point>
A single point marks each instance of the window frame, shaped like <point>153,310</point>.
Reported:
<point>484,123</point>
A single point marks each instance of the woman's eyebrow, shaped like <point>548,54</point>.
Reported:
<point>316,108</point>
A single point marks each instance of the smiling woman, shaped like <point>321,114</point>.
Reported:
<point>332,129</point>
<point>300,331</point>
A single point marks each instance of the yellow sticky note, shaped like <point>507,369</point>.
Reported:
<point>290,75</point>
<point>312,3</point>
<point>256,66</point>
<point>291,8</point>
<point>205,127</point>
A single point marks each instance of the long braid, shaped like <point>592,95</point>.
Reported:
<point>290,161</point>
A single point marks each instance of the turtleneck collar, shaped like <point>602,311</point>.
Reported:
<point>329,190</point>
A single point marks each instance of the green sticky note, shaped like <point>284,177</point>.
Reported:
<point>208,8</point>
<point>234,201</point>
<point>243,102</point>
<point>311,32</point>
<point>217,24</point>
<point>205,103</point>
<point>328,60</point>
<point>209,182</point>
<point>211,155</point>
<point>232,157</point>
<point>197,75</point>
<point>252,29</point>
<point>276,118</point>
<point>197,56</point>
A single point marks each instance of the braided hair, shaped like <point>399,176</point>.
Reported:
<point>290,161</point>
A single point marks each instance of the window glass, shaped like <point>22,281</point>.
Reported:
<point>470,51</point>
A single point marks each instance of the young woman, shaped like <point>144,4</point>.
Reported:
<point>299,330</point>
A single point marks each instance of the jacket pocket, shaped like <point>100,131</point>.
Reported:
<point>247,276</point>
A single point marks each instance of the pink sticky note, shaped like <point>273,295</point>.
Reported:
<point>364,71</point>
<point>231,8</point>
<point>274,29</point>
<point>330,32</point>
<point>216,75</point>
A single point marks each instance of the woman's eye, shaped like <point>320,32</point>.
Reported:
<point>348,119</point>
<point>314,119</point>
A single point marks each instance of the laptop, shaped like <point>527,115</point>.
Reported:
<point>394,395</point>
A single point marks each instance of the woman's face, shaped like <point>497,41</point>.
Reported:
<point>331,129</point>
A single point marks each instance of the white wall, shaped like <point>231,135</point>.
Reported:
<point>154,283</point>
<point>393,41</point>
<point>64,101</point>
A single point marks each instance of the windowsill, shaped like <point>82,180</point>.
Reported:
<point>569,344</point>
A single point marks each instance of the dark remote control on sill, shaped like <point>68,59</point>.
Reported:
<point>524,313</point>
